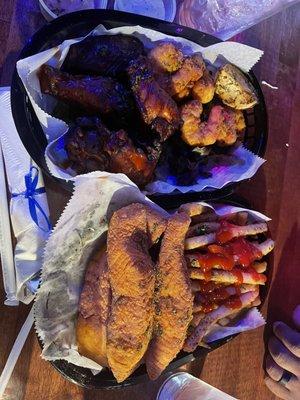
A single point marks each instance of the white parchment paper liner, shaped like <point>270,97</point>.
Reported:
<point>83,226</point>
<point>239,54</point>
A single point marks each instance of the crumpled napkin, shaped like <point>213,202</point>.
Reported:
<point>28,209</point>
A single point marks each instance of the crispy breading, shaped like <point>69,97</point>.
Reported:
<point>184,79</point>
<point>204,88</point>
<point>174,299</point>
<point>94,310</point>
<point>132,231</point>
<point>223,125</point>
<point>166,57</point>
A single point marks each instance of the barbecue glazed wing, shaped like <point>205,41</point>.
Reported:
<point>174,300</point>
<point>132,278</point>
<point>91,146</point>
<point>158,109</point>
<point>132,161</point>
<point>91,95</point>
<point>94,310</point>
<point>107,55</point>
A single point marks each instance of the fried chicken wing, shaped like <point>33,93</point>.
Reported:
<point>233,124</point>
<point>94,309</point>
<point>204,88</point>
<point>158,109</point>
<point>91,146</point>
<point>91,95</point>
<point>223,125</point>
<point>174,299</point>
<point>166,57</point>
<point>193,131</point>
<point>132,279</point>
<point>184,79</point>
<point>107,55</point>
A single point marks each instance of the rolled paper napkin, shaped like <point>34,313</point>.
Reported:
<point>29,211</point>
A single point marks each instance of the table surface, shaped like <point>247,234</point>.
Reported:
<point>237,367</point>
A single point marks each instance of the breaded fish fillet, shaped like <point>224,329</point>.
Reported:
<point>132,231</point>
<point>174,304</point>
<point>94,310</point>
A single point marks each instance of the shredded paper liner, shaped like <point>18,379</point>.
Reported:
<point>81,228</point>
<point>239,54</point>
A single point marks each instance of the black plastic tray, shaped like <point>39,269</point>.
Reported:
<point>79,24</point>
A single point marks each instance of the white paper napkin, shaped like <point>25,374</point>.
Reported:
<point>30,230</point>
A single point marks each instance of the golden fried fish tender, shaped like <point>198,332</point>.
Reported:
<point>91,330</point>
<point>184,79</point>
<point>204,88</point>
<point>131,233</point>
<point>166,57</point>
<point>174,299</point>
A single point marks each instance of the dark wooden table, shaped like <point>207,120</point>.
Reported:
<point>236,368</point>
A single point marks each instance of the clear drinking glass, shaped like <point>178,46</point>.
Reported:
<point>183,386</point>
<point>226,18</point>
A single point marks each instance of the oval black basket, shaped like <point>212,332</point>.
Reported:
<point>105,379</point>
<point>79,24</point>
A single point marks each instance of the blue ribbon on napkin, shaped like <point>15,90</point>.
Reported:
<point>31,181</point>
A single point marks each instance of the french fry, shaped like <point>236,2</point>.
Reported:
<point>201,307</point>
<point>237,231</point>
<point>256,302</point>
<point>199,241</point>
<point>191,209</point>
<point>241,218</point>
<point>234,276</point>
<point>211,318</point>
<point>197,286</point>
<point>197,318</point>
<point>259,267</point>
<point>220,294</point>
<point>206,227</point>
<point>207,216</point>
<point>265,247</point>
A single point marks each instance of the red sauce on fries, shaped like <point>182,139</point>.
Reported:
<point>207,287</point>
<point>238,276</point>
<point>255,275</point>
<point>238,251</point>
<point>225,232</point>
<point>209,261</point>
<point>234,303</point>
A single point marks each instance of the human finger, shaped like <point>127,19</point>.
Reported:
<point>274,371</point>
<point>289,337</point>
<point>278,389</point>
<point>283,357</point>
